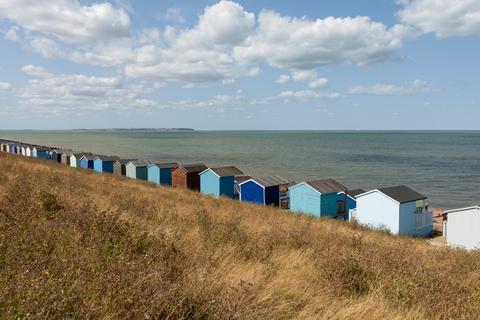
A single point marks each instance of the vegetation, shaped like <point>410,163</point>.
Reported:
<point>77,244</point>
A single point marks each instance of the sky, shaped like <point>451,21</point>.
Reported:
<point>240,65</point>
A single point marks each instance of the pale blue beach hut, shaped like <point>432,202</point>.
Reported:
<point>317,197</point>
<point>86,161</point>
<point>160,173</point>
<point>137,169</point>
<point>219,181</point>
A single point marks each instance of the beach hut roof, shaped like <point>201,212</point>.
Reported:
<point>225,171</point>
<point>268,181</point>
<point>40,148</point>
<point>125,161</point>
<point>193,168</point>
<point>242,178</point>
<point>164,165</point>
<point>89,156</point>
<point>107,158</point>
<point>401,194</point>
<point>139,163</point>
<point>355,192</point>
<point>326,185</point>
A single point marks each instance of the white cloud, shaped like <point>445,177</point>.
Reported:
<point>284,78</point>
<point>309,76</point>
<point>445,18</point>
<point>11,34</point>
<point>200,53</point>
<point>306,95</point>
<point>68,20</point>
<point>416,86</point>
<point>4,86</point>
<point>47,48</point>
<point>174,15</point>
<point>57,93</point>
<point>300,43</point>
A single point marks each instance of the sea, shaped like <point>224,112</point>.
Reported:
<point>442,165</point>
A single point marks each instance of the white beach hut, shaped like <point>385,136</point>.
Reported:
<point>399,210</point>
<point>462,228</point>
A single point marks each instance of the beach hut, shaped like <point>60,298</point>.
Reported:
<point>3,146</point>
<point>462,228</point>
<point>317,197</point>
<point>265,191</point>
<point>65,157</point>
<point>219,181</point>
<point>18,149</point>
<point>41,152</point>
<point>349,199</point>
<point>23,150</point>
<point>28,151</point>
<point>104,163</point>
<point>75,159</point>
<point>187,176</point>
<point>160,173</point>
<point>86,161</point>
<point>56,155</point>
<point>119,166</point>
<point>137,169</point>
<point>399,209</point>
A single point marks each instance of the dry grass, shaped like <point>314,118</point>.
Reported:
<point>75,244</point>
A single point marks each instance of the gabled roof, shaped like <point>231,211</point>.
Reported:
<point>78,155</point>
<point>240,179</point>
<point>164,165</point>
<point>326,185</point>
<point>269,181</point>
<point>89,156</point>
<point>192,168</point>
<point>225,171</point>
<point>67,152</point>
<point>41,148</point>
<point>353,193</point>
<point>401,194</point>
<point>107,158</point>
<point>139,163</point>
<point>125,161</point>
<point>474,208</point>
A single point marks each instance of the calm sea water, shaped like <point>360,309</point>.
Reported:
<point>445,166</point>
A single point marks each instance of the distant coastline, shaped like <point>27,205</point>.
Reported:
<point>109,130</point>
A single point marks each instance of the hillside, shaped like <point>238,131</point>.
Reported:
<point>78,244</point>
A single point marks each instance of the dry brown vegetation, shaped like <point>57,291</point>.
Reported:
<point>76,244</point>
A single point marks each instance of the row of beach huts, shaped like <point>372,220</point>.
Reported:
<point>398,209</point>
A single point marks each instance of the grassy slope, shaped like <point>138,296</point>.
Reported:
<point>78,244</point>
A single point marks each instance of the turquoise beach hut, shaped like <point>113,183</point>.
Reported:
<point>160,173</point>
<point>219,181</point>
<point>137,169</point>
<point>104,163</point>
<point>317,197</point>
<point>86,161</point>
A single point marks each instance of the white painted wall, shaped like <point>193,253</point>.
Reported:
<point>378,211</point>
<point>463,228</point>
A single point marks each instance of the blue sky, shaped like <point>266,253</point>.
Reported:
<point>358,64</point>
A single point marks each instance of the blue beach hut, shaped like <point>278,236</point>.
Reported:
<point>219,181</point>
<point>86,161</point>
<point>317,197</point>
<point>137,169</point>
<point>265,191</point>
<point>104,163</point>
<point>41,152</point>
<point>160,173</point>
